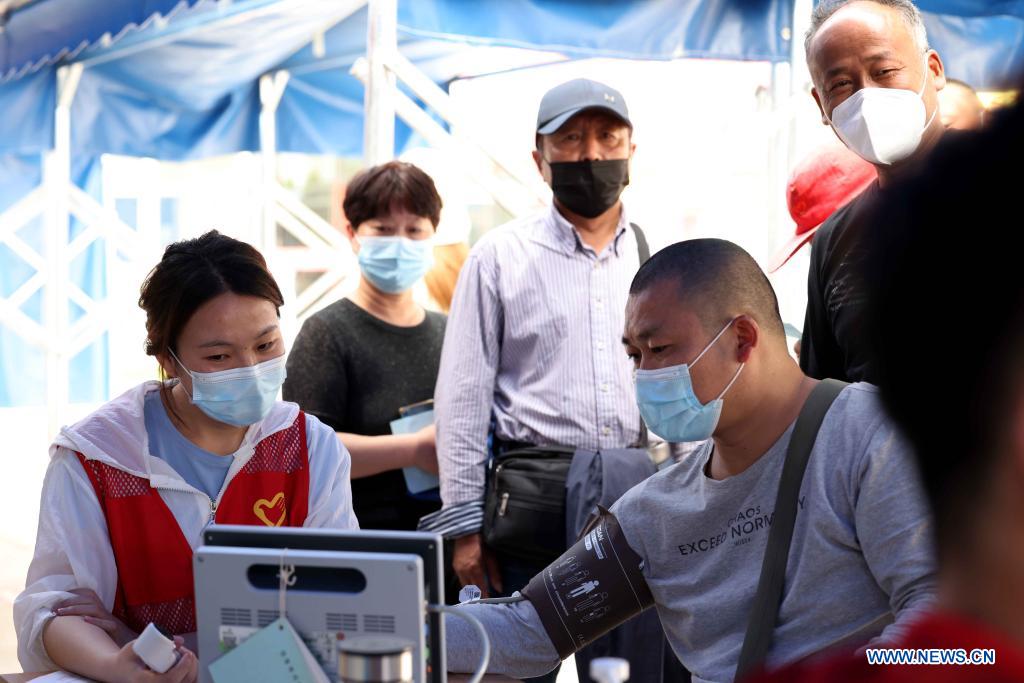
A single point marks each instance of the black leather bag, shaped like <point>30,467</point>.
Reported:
<point>524,512</point>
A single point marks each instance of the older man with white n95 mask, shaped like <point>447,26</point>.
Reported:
<point>876,83</point>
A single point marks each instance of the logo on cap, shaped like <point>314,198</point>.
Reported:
<point>609,98</point>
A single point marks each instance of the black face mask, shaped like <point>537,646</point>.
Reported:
<point>589,188</point>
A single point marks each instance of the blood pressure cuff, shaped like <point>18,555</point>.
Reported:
<point>592,588</point>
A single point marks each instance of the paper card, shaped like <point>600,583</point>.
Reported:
<point>274,654</point>
<point>416,480</point>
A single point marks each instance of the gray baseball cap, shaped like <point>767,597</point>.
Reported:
<point>564,101</point>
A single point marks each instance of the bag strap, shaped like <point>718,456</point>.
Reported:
<point>644,250</point>
<point>642,247</point>
<point>763,613</point>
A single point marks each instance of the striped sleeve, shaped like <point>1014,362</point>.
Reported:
<point>465,383</point>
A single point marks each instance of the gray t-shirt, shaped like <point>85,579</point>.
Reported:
<point>862,554</point>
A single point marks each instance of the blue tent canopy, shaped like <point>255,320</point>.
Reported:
<point>986,51</point>
<point>39,34</point>
<point>194,97</point>
<point>653,29</point>
<point>177,79</point>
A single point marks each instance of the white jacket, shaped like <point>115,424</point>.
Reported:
<point>73,546</point>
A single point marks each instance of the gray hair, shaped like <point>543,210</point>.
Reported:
<point>907,10</point>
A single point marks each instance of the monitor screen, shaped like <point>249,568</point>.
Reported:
<point>429,547</point>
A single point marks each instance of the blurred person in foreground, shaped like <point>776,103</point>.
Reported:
<point>964,417</point>
<point>876,84</point>
<point>960,107</point>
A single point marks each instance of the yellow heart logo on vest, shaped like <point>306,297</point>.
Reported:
<point>274,504</point>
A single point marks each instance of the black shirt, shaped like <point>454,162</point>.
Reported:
<point>354,371</point>
<point>834,343</point>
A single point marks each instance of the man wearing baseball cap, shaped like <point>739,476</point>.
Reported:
<point>531,354</point>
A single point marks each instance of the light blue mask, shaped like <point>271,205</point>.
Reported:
<point>394,264</point>
<point>240,396</point>
<point>671,409</point>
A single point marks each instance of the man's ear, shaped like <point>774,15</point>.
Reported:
<point>538,159</point>
<point>937,68</point>
<point>748,336</point>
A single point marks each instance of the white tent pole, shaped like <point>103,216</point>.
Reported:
<point>441,102</point>
<point>57,179</point>
<point>481,166</point>
<point>272,88</point>
<point>379,120</point>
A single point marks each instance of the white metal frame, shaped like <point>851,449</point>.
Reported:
<point>56,201</point>
<point>325,248</point>
<point>380,72</point>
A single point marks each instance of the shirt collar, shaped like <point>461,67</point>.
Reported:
<point>556,232</point>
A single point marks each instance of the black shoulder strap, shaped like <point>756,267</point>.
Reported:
<point>765,608</point>
<point>644,250</point>
<point>641,243</point>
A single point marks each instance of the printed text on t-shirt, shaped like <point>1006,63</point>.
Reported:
<point>739,529</point>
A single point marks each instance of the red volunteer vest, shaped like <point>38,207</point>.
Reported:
<point>154,559</point>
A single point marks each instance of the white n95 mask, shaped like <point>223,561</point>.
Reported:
<point>882,125</point>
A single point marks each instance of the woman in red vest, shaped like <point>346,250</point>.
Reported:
<point>131,487</point>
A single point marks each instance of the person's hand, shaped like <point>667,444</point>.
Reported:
<point>425,453</point>
<point>128,668</point>
<point>87,604</point>
<point>474,565</point>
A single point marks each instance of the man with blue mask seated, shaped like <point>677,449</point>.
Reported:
<point>704,333</point>
<point>876,84</point>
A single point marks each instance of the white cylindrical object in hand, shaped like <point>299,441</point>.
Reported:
<point>155,649</point>
<point>609,670</point>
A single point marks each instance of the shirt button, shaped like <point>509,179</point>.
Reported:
<point>600,346</point>
<point>605,387</point>
<point>606,430</point>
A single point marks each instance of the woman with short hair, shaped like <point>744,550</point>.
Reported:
<point>358,361</point>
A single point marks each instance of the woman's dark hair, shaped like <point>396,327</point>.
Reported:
<point>376,191</point>
<point>191,273</point>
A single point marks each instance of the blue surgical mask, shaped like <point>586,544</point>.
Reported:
<point>671,409</point>
<point>240,396</point>
<point>394,264</point>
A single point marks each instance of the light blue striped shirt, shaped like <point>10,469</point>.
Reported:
<point>534,337</point>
